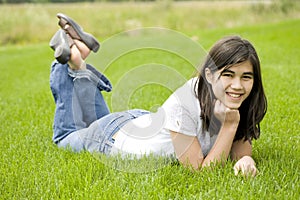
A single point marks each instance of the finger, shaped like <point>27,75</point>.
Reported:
<point>253,171</point>
<point>243,169</point>
<point>236,169</point>
<point>249,171</point>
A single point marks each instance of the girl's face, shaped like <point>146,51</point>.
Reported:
<point>233,85</point>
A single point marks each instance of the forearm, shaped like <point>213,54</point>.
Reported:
<point>240,148</point>
<point>222,146</point>
<point>241,152</point>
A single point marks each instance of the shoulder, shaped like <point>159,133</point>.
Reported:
<point>185,96</point>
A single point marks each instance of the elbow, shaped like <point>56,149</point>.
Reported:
<point>195,163</point>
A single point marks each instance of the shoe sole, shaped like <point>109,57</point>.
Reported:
<point>76,32</point>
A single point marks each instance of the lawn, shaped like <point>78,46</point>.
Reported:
<point>32,167</point>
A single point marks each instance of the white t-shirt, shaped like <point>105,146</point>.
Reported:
<point>150,133</point>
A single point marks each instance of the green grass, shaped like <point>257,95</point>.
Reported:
<point>32,167</point>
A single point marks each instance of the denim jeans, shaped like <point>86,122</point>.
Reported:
<point>98,137</point>
<point>82,119</point>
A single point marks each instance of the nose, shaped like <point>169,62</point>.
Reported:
<point>236,84</point>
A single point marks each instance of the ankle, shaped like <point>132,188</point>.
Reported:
<point>84,50</point>
<point>77,66</point>
<point>76,61</point>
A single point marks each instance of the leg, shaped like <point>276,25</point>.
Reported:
<point>87,84</point>
<point>98,137</point>
<point>88,102</point>
<point>76,89</point>
<point>61,85</point>
<point>78,99</point>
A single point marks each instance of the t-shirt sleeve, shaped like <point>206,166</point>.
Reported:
<point>180,120</point>
<point>183,111</point>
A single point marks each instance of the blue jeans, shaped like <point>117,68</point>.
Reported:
<point>82,119</point>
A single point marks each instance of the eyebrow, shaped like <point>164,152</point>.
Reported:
<point>249,73</point>
<point>230,71</point>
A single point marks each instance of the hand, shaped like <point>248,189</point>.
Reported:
<point>246,165</point>
<point>225,114</point>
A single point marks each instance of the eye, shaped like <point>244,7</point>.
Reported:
<point>247,77</point>
<point>226,74</point>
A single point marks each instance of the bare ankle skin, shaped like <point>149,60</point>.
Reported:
<point>84,50</point>
<point>79,52</point>
<point>76,62</point>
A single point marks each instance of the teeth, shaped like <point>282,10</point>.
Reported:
<point>234,95</point>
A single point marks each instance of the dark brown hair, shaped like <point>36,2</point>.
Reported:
<point>225,53</point>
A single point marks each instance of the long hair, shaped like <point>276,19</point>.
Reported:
<point>225,53</point>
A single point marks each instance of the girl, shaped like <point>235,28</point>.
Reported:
<point>210,118</point>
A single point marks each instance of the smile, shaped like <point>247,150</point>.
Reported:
<point>234,95</point>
